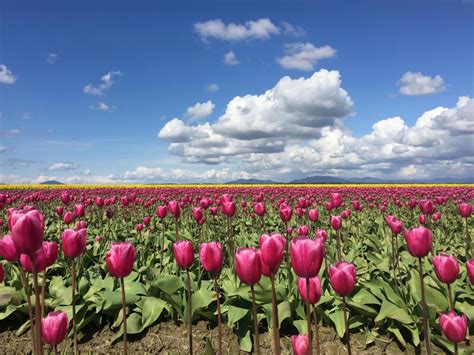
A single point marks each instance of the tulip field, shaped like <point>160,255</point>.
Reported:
<point>222,269</point>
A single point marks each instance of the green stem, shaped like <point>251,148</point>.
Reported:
<point>468,241</point>
<point>346,324</point>
<point>316,330</point>
<point>74,304</point>
<point>190,313</point>
<point>423,304</point>
<point>124,315</point>
<point>30,307</point>
<point>256,339</point>
<point>276,330</point>
<point>308,318</point>
<point>219,317</point>
<point>39,340</point>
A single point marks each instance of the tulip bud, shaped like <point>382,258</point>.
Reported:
<point>345,214</point>
<point>248,265</point>
<point>336,199</point>
<point>315,290</point>
<point>465,210</point>
<point>470,270</point>
<point>68,217</point>
<point>51,253</point>
<point>54,327</point>
<point>454,327</point>
<point>120,258</point>
<point>174,209</point>
<point>197,213</point>
<point>271,250</point>
<point>210,255</point>
<point>79,210</point>
<point>228,208</point>
<point>419,241</point>
<point>184,253</point>
<point>328,206</point>
<point>39,260</point>
<point>73,242</point>
<point>342,277</point>
<point>27,231</point>
<point>213,210</point>
<point>313,215</point>
<point>336,222</point>
<point>139,227</point>
<point>426,207</point>
<point>306,256</point>
<point>446,268</point>
<point>285,212</point>
<point>59,210</point>
<point>8,249</point>
<point>146,220</point>
<point>260,209</point>
<point>300,344</point>
<point>321,233</point>
<point>161,211</point>
<point>302,231</point>
<point>422,219</point>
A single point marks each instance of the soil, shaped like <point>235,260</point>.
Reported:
<point>171,338</point>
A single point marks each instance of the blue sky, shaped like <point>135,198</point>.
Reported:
<point>349,67</point>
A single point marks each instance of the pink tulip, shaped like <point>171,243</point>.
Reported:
<point>396,226</point>
<point>470,270</point>
<point>139,227</point>
<point>65,198</point>
<point>426,207</point>
<point>342,277</point>
<point>120,258</point>
<point>465,210</point>
<point>161,211</point>
<point>446,268</point>
<point>73,242</point>
<point>321,233</point>
<point>272,248</point>
<point>146,220</point>
<point>54,327</point>
<point>419,241</point>
<point>210,255</point>
<point>175,210</point>
<point>59,210</point>
<point>213,210</point>
<point>313,215</point>
<point>345,214</point>
<point>183,253</point>
<point>422,219</point>
<point>315,290</point>
<point>328,206</point>
<point>228,208</point>
<point>260,209</point>
<point>79,210</point>
<point>285,212</point>
<point>39,260</point>
<point>109,214</point>
<point>454,327</point>
<point>197,213</point>
<point>8,249</point>
<point>27,231</point>
<point>336,199</point>
<point>81,225</point>
<point>300,344</point>
<point>302,231</point>
<point>306,256</point>
<point>68,217</point>
<point>248,265</point>
<point>336,222</point>
<point>51,253</point>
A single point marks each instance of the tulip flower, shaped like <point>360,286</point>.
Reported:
<point>311,295</point>
<point>54,328</point>
<point>119,261</point>
<point>27,231</point>
<point>271,253</point>
<point>59,210</point>
<point>285,212</point>
<point>161,211</point>
<point>426,207</point>
<point>454,327</point>
<point>470,270</point>
<point>465,210</point>
<point>184,256</point>
<point>419,242</point>
<point>146,220</point>
<point>139,227</point>
<point>300,345</point>
<point>302,231</point>
<point>109,214</point>
<point>446,268</point>
<point>79,211</point>
<point>343,279</point>
<point>321,233</point>
<point>210,255</point>
<point>248,267</point>
<point>175,211</point>
<point>336,199</point>
<point>259,209</point>
<point>8,250</point>
<point>68,218</point>
<point>313,215</point>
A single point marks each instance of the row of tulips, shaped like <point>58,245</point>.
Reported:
<point>25,245</point>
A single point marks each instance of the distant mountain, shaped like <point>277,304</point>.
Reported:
<point>320,179</point>
<point>251,181</point>
<point>51,182</point>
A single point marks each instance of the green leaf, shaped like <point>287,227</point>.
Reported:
<point>169,284</point>
<point>245,343</point>
<point>234,314</point>
<point>337,317</point>
<point>151,310</point>
<point>395,331</point>
<point>284,312</point>
<point>202,299</point>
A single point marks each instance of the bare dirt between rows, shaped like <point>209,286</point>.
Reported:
<point>171,338</point>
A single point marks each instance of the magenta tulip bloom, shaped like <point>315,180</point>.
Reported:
<point>422,219</point>
<point>465,210</point>
<point>59,210</point>
<point>73,242</point>
<point>336,199</point>
<point>161,211</point>
<point>39,259</point>
<point>272,248</point>
<point>51,252</point>
<point>174,209</point>
<point>302,230</point>
<point>197,213</point>
<point>68,218</point>
<point>27,230</point>
<point>139,227</point>
<point>315,290</point>
<point>259,209</point>
<point>321,233</point>
<point>313,215</point>
<point>396,226</point>
<point>8,250</point>
<point>65,198</point>
<point>336,222</point>
<point>248,265</point>
<point>300,344</point>
<point>285,212</point>
<point>426,207</point>
<point>446,268</point>
<point>120,258</point>
<point>470,270</point>
<point>228,208</point>
<point>54,327</point>
<point>306,256</point>
<point>419,241</point>
<point>184,253</point>
<point>342,277</point>
<point>210,255</point>
<point>146,220</point>
<point>454,327</point>
<point>79,210</point>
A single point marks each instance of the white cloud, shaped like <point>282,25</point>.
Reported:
<point>212,87</point>
<point>6,76</point>
<point>304,56</point>
<point>230,58</point>
<point>413,84</point>
<point>289,29</point>
<point>3,149</point>
<point>63,166</point>
<point>107,81</point>
<point>200,110</point>
<point>102,106</point>
<point>87,172</point>
<point>260,29</point>
<point>52,57</point>
<point>10,132</point>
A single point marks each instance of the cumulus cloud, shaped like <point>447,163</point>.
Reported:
<point>212,87</point>
<point>414,84</point>
<point>290,29</point>
<point>6,76</point>
<point>304,56</point>
<point>200,110</point>
<point>52,57</point>
<point>63,166</point>
<point>106,82</point>
<point>260,29</point>
<point>230,58</point>
<point>102,106</point>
